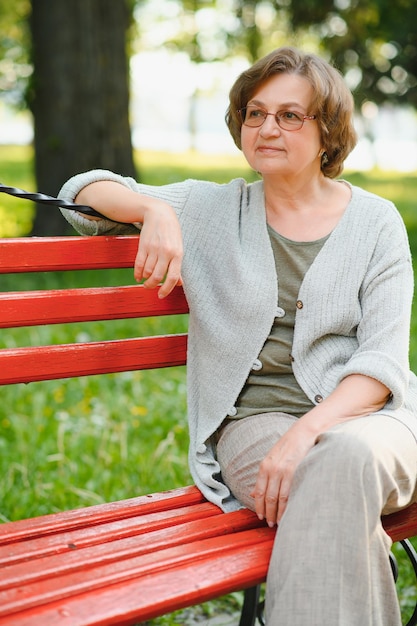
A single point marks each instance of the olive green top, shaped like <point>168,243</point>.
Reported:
<point>271,385</point>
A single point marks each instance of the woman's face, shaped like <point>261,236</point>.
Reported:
<point>269,149</point>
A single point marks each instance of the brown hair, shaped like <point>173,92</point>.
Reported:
<point>332,101</point>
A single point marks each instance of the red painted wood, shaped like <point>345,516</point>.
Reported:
<point>45,254</point>
<point>402,524</point>
<point>97,534</point>
<point>134,576</point>
<point>76,552</point>
<point>220,549</point>
<point>24,365</point>
<point>32,308</point>
<point>140,598</point>
<point>99,514</point>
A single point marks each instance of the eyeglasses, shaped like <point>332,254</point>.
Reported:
<point>254,116</point>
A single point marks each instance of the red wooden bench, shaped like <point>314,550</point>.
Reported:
<point>128,561</point>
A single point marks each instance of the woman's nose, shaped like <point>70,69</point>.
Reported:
<point>270,127</point>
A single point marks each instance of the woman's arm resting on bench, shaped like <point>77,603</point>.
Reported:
<point>160,249</point>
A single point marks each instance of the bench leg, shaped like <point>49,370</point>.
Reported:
<point>412,555</point>
<point>250,606</point>
<point>394,566</point>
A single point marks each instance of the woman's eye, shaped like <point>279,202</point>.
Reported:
<point>256,113</point>
<point>290,115</point>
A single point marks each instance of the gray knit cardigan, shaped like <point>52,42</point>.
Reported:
<point>356,298</point>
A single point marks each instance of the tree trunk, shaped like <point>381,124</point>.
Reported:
<point>79,96</point>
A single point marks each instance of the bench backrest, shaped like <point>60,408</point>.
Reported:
<point>41,307</point>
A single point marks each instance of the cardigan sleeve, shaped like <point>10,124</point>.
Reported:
<point>383,332</point>
<point>175,194</point>
<point>357,299</point>
<point>82,224</point>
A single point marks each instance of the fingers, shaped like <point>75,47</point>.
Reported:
<point>172,279</point>
<point>273,484</point>
<point>271,498</point>
<point>156,263</point>
<point>282,505</point>
<point>276,472</point>
<point>259,495</point>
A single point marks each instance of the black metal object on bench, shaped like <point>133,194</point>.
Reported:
<point>45,199</point>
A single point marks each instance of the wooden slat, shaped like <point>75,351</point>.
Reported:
<point>81,550</point>
<point>66,521</point>
<point>402,524</point>
<point>398,525</point>
<point>95,535</point>
<point>45,254</point>
<point>32,308</point>
<point>127,601</point>
<point>140,568</point>
<point>24,365</point>
<point>214,576</point>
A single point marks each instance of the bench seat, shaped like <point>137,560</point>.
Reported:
<point>102,564</point>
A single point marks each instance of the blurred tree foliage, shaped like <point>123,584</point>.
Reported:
<point>373,43</point>
<point>15,67</point>
<point>79,50</point>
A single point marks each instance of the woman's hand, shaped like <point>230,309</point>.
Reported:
<point>276,472</point>
<point>354,397</point>
<point>160,248</point>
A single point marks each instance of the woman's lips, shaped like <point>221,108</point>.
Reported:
<point>269,149</point>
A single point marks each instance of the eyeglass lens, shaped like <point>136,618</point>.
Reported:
<point>255,116</point>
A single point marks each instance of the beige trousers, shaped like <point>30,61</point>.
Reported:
<point>330,562</point>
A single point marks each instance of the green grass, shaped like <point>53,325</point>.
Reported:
<point>65,444</point>
<point>16,216</point>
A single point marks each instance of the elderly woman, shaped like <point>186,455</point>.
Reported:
<point>301,403</point>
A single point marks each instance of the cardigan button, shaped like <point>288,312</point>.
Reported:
<point>280,312</point>
<point>318,398</point>
<point>257,365</point>
<point>232,411</point>
<point>299,304</point>
<point>291,358</point>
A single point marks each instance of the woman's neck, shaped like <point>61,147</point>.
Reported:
<point>305,212</point>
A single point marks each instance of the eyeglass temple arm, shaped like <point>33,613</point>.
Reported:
<point>44,199</point>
